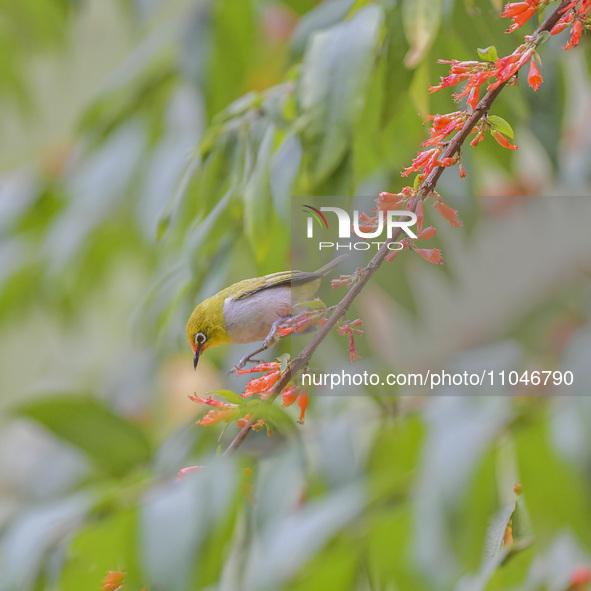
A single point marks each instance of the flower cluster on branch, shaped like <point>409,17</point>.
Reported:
<point>240,408</point>
<point>447,134</point>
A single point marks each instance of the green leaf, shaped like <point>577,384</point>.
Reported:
<point>421,20</point>
<point>112,443</point>
<point>544,37</point>
<point>500,125</point>
<point>230,396</point>
<point>109,544</point>
<point>249,101</point>
<point>258,209</point>
<point>334,568</point>
<point>313,304</point>
<point>285,165</point>
<point>495,533</point>
<point>308,531</point>
<point>488,54</point>
<point>512,566</point>
<point>475,529</point>
<point>231,29</point>
<point>521,522</point>
<point>325,15</point>
<point>278,418</point>
<point>392,527</point>
<point>397,77</point>
<point>395,456</point>
<point>555,492</point>
<point>171,207</point>
<point>28,539</point>
<point>283,360</point>
<point>205,236</point>
<point>177,518</point>
<point>334,77</point>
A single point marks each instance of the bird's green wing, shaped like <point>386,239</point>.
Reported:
<point>291,278</point>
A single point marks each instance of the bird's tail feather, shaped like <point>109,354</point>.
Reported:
<point>326,268</point>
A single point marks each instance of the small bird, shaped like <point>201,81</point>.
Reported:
<point>251,310</point>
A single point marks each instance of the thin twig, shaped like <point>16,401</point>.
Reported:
<point>298,363</point>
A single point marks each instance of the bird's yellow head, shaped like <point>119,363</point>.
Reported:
<point>206,327</point>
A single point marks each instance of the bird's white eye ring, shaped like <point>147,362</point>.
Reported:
<point>200,338</point>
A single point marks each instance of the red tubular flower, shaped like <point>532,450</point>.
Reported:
<point>240,423</point>
<point>261,385</point>
<point>584,9</point>
<point>462,171</point>
<point>433,255</point>
<point>458,67</point>
<point>345,280</point>
<point>283,331</point>
<point>458,72</point>
<point>447,81</point>
<point>507,66</point>
<point>290,395</point>
<point>575,35</point>
<point>303,404</point>
<point>420,215</point>
<point>353,354</point>
<point>520,12</point>
<point>391,201</point>
<point>222,411</point>
<point>386,201</point>
<point>341,281</point>
<point>450,214</point>
<point>427,233</point>
<point>473,97</point>
<point>478,138</point>
<point>534,77</point>
<point>217,416</point>
<point>447,162</point>
<point>394,253</point>
<point>562,24</point>
<point>515,8</point>
<point>347,329</point>
<point>298,324</point>
<point>569,7</point>
<point>367,223</point>
<point>211,402</point>
<point>425,161</point>
<point>443,125</point>
<point>441,121</point>
<point>271,365</point>
<point>474,82</point>
<point>503,141</point>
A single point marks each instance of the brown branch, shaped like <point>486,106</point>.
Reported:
<point>426,189</point>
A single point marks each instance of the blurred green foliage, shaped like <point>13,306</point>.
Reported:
<point>150,153</point>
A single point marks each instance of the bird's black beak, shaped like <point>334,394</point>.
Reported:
<point>196,355</point>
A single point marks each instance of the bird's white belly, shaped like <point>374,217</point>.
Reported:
<point>251,319</point>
